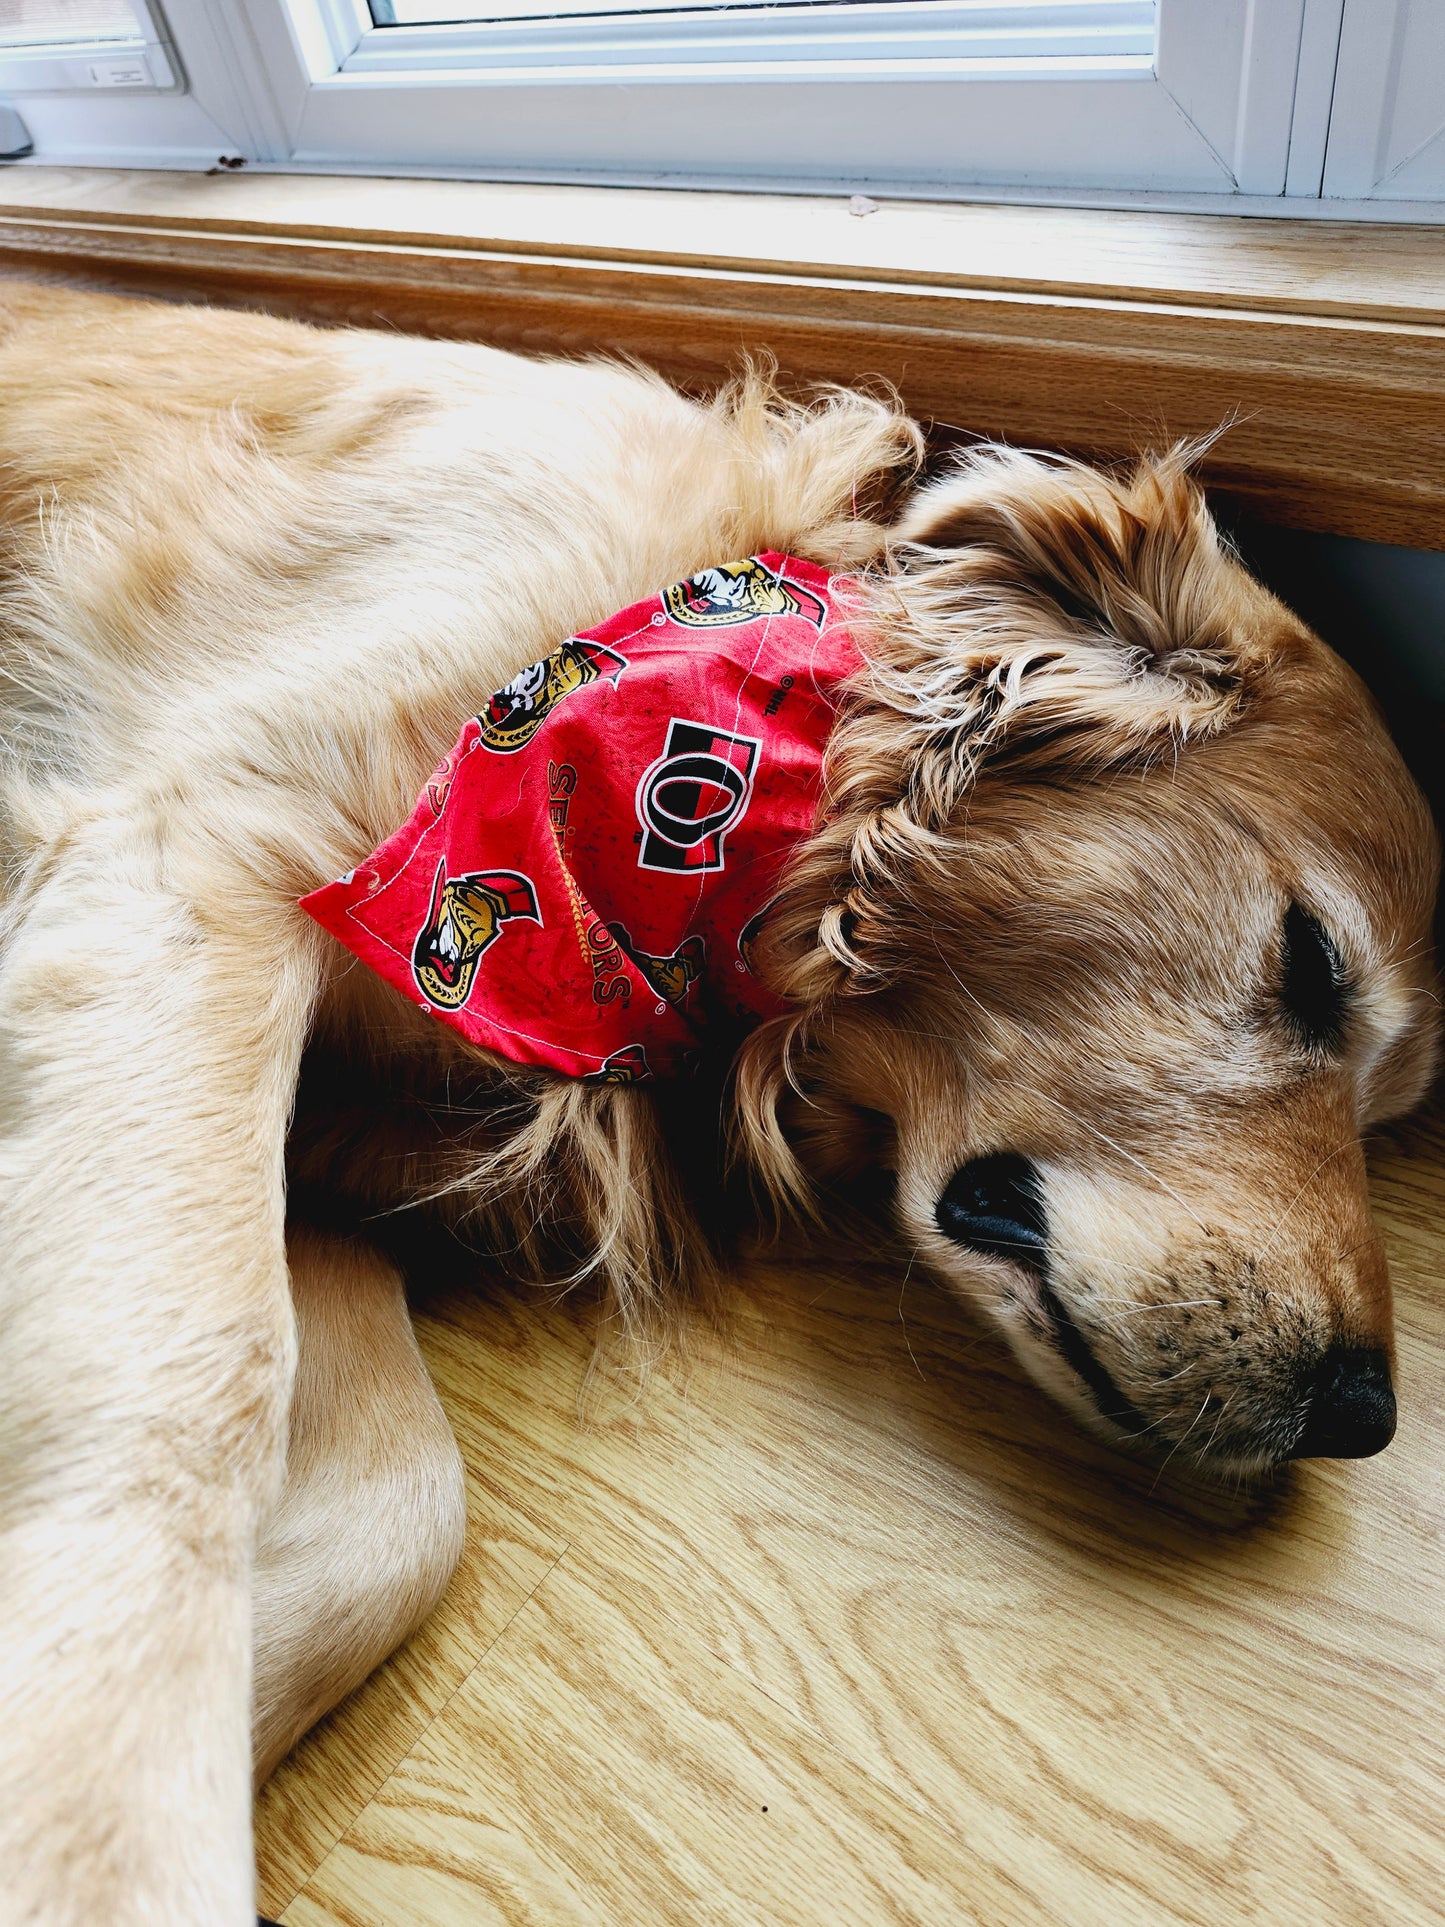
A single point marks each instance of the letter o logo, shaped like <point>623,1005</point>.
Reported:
<point>696,791</point>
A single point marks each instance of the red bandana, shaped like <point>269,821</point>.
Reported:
<point>580,881</point>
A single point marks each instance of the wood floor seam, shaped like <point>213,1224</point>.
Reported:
<point>487,1650</point>
<point>420,1738</point>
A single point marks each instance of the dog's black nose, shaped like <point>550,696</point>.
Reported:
<point>1352,1406</point>
<point>993,1205</point>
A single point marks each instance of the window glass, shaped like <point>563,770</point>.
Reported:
<point>1015,29</point>
<point>468,13</point>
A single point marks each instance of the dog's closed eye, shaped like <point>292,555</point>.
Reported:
<point>1314,987</point>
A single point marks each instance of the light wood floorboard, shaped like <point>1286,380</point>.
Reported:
<point>314,1796</point>
<point>851,1568</point>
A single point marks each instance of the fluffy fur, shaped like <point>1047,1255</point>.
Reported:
<point>252,577</point>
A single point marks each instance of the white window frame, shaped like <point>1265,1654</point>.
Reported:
<point>201,106</point>
<point>1375,148</point>
<point>141,61</point>
<point>1208,114</point>
<point>1233,108</point>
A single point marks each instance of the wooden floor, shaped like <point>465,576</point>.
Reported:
<point>852,1627</point>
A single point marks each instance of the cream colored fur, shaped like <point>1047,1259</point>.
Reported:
<point>253,576</point>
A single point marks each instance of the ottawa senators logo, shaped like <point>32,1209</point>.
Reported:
<point>514,715</point>
<point>439,783</point>
<point>695,792</point>
<point>464,920</point>
<point>748,937</point>
<point>626,1066</point>
<point>738,592</point>
<point>671,976</point>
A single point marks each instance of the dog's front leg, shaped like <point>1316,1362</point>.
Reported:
<point>149,1060</point>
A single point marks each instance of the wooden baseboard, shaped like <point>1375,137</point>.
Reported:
<point>1323,345</point>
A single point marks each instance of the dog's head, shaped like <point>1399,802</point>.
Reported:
<point>1114,940</point>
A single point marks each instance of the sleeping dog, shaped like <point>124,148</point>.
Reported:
<point>1090,902</point>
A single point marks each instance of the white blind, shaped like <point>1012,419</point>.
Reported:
<point>56,23</point>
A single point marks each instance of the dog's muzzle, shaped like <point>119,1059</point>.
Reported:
<point>994,1206</point>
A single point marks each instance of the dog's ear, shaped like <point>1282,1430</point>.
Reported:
<point>1043,603</point>
<point>1040,619</point>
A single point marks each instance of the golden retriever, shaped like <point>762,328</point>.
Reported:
<point>1111,939</point>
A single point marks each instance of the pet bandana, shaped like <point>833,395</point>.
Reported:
<point>581,879</point>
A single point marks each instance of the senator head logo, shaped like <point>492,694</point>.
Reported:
<point>465,918</point>
<point>738,592</point>
<point>748,939</point>
<point>514,715</point>
<point>672,975</point>
<point>626,1066</point>
<point>696,791</point>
